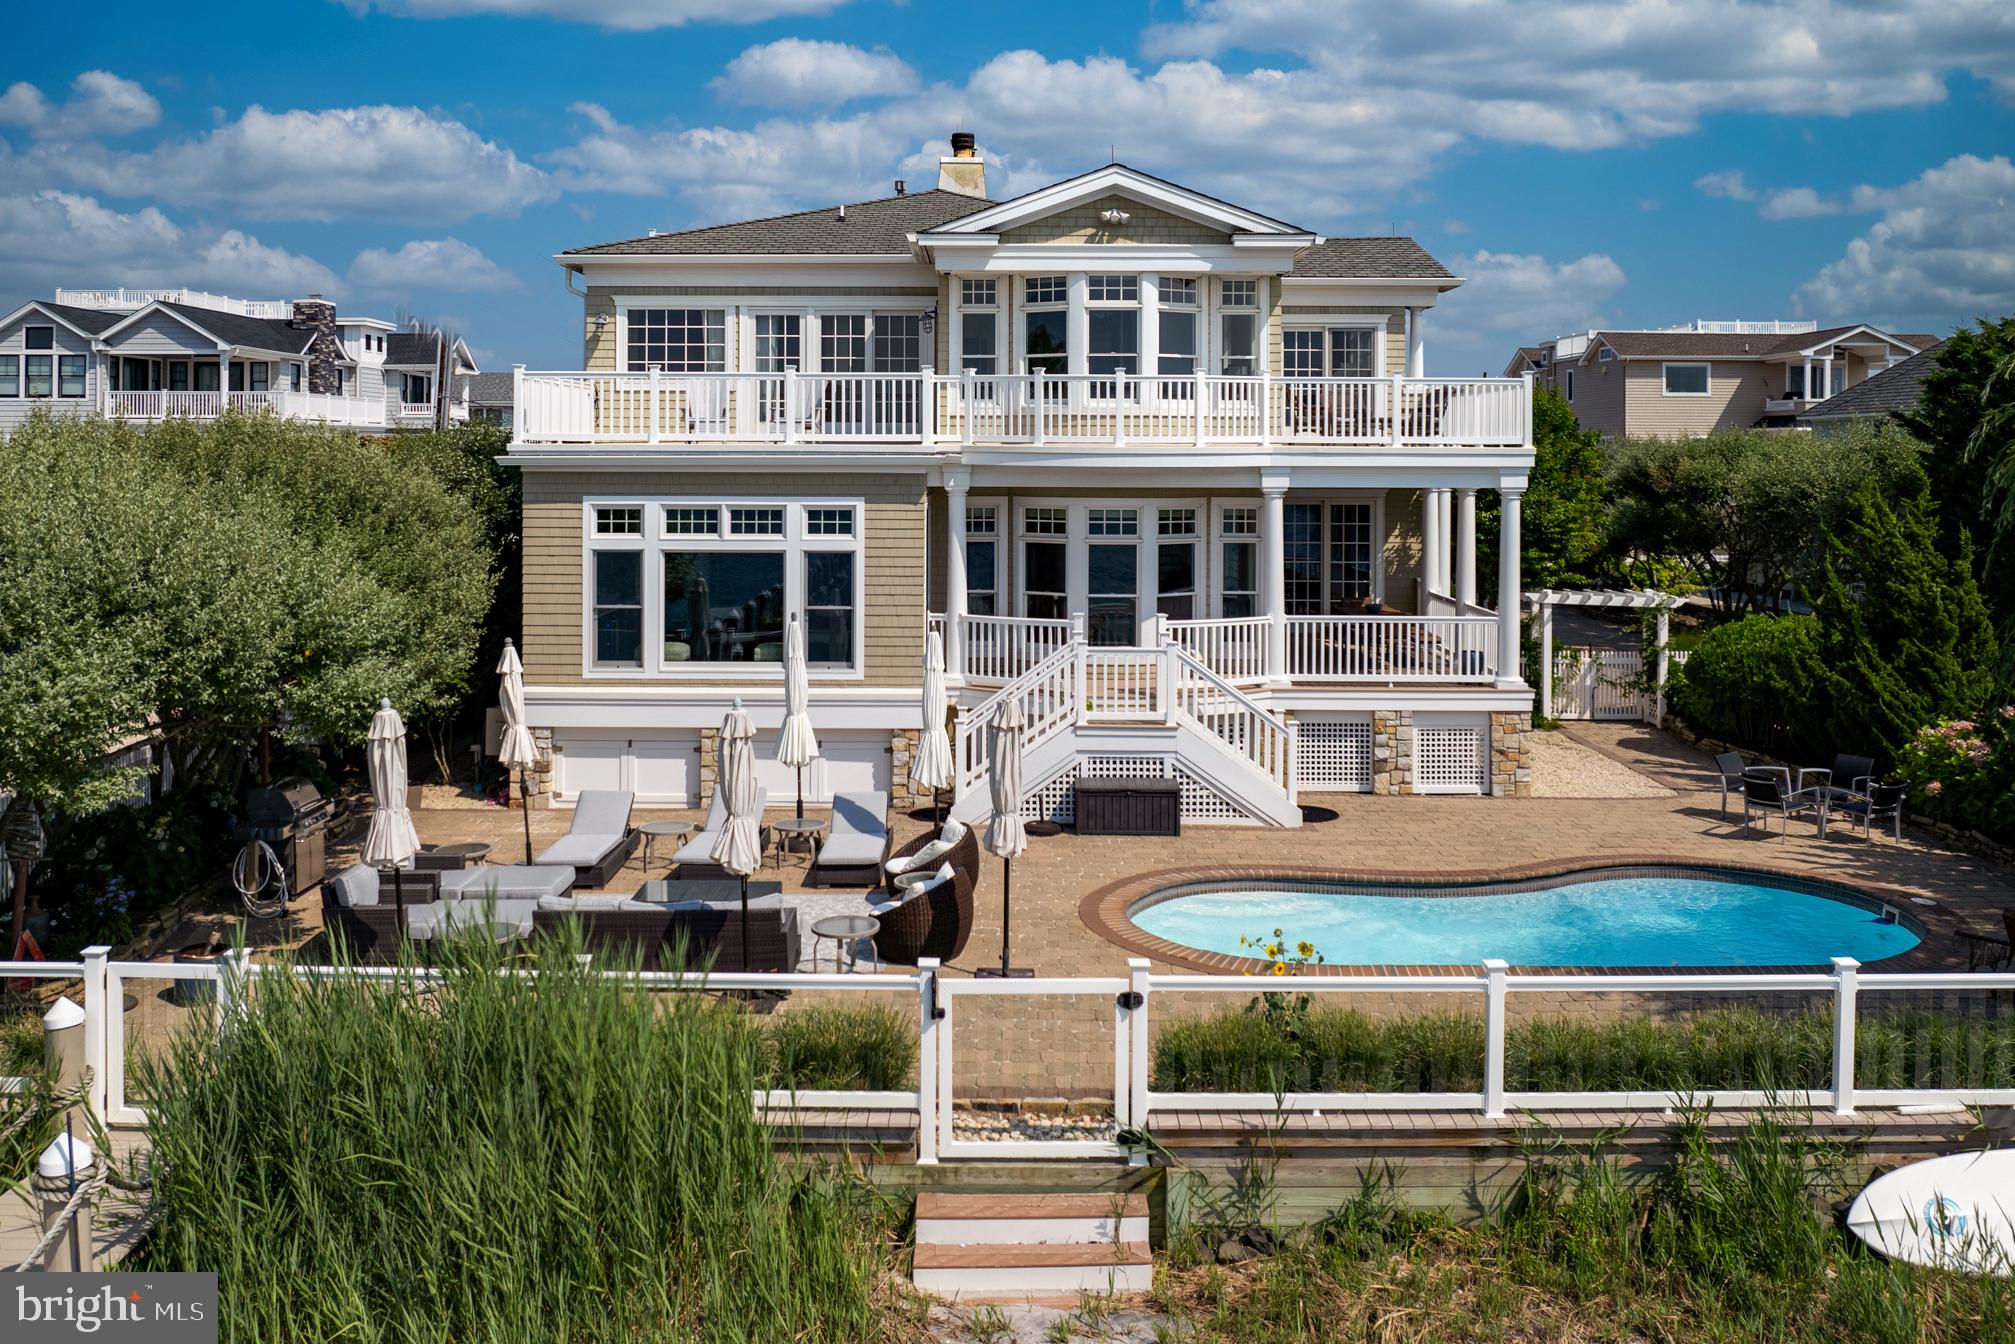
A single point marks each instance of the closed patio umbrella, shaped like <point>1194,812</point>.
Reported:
<point>797,745</point>
<point>933,766</point>
<point>740,848</point>
<point>390,842</point>
<point>1005,835</point>
<point>516,752</point>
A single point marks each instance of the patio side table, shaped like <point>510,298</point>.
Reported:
<point>791,828</point>
<point>846,932</point>
<point>662,830</point>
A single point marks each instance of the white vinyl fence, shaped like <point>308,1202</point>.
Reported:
<point>1609,684</point>
<point>943,1003</point>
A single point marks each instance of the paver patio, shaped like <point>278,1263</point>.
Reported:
<point>1050,1047</point>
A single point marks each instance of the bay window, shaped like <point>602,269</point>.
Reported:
<point>677,340</point>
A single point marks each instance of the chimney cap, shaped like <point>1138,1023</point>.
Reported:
<point>902,187</point>
<point>964,145</point>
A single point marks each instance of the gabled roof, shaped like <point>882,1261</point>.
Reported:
<point>1897,388</point>
<point>1384,258</point>
<point>1529,354</point>
<point>1173,197</point>
<point>413,347</point>
<point>83,321</point>
<point>258,333</point>
<point>869,229</point>
<point>1732,345</point>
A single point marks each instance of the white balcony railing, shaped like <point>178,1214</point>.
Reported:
<point>1037,410</point>
<point>1392,648</point>
<point>325,407</point>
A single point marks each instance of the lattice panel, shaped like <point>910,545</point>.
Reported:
<point>1057,800</point>
<point>1450,758</point>
<point>1125,767</point>
<point>1205,805</point>
<point>1333,754</point>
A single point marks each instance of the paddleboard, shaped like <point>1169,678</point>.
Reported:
<point>1955,1212</point>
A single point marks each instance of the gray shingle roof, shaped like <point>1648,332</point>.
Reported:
<point>1896,388</point>
<point>92,320</point>
<point>871,228</point>
<point>488,389</point>
<point>1386,258</point>
<point>261,333</point>
<point>413,347</point>
<point>1726,345</point>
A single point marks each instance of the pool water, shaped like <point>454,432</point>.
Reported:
<point>1621,921</point>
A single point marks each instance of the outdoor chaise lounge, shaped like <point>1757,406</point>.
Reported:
<point>857,844</point>
<point>599,841</point>
<point>696,859</point>
<point>936,917</point>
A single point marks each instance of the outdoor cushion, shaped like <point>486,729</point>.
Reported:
<point>508,882</point>
<point>948,838</point>
<point>602,812</point>
<point>600,901</point>
<point>700,849</point>
<point>861,814</point>
<point>356,887</point>
<point>919,881</point>
<point>579,850</point>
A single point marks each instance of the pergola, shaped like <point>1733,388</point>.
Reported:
<point>1639,599</point>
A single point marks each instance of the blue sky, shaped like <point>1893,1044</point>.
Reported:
<point>1635,162</point>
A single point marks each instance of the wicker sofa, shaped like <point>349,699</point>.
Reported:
<point>936,923</point>
<point>684,934</point>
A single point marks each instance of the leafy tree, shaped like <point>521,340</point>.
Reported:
<point>1904,638</point>
<point>1563,516</point>
<point>1745,510</point>
<point>1750,682</point>
<point>1966,418</point>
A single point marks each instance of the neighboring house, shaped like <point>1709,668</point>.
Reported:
<point>1896,390</point>
<point>1709,375</point>
<point>419,362</point>
<point>488,396</point>
<point>150,354</point>
<point>1153,463</point>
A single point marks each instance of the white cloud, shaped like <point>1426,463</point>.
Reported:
<point>429,264</point>
<point>627,14</point>
<point>795,72</point>
<point>1727,184</point>
<point>400,162</point>
<point>51,238</point>
<point>1797,203</point>
<point>1945,244</point>
<point>100,103</point>
<point>1454,228</point>
<point>1608,71</point>
<point>1524,297</point>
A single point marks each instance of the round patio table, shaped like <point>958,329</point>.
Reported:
<point>471,851</point>
<point>662,830</point>
<point>846,931</point>
<point>791,828</point>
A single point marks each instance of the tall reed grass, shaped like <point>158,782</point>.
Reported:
<point>1735,1048</point>
<point>499,1158</point>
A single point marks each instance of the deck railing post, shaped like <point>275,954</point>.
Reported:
<point>1198,402</point>
<point>1398,395</point>
<point>657,429</point>
<point>966,406</point>
<point>1494,994</point>
<point>1135,1113</point>
<point>790,404</point>
<point>927,406</point>
<point>1037,401</point>
<point>928,1014</point>
<point>1846,985</point>
<point>234,981</point>
<point>97,1010</point>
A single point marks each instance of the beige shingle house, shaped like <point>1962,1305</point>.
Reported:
<point>1165,469</point>
<point>1709,375</point>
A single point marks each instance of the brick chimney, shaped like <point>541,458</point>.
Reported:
<point>325,352</point>
<point>964,171</point>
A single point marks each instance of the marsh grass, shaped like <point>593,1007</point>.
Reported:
<point>1735,1048</point>
<point>501,1158</point>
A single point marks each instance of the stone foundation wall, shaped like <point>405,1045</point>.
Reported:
<point>710,766</point>
<point>1510,770</point>
<point>902,755</point>
<point>537,790</point>
<point>1392,751</point>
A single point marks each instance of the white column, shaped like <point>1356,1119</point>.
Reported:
<point>1150,327</point>
<point>1465,548</point>
<point>1508,590</point>
<point>1432,547</point>
<point>1272,579</point>
<point>1077,322</point>
<point>1416,346</point>
<point>1664,665</point>
<point>1444,563</point>
<point>1546,658</point>
<point>956,484</point>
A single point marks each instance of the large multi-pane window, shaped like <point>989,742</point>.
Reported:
<point>1331,556</point>
<point>779,342</point>
<point>1238,329</point>
<point>1112,327</point>
<point>41,378</point>
<point>843,343</point>
<point>898,343</point>
<point>1330,352</point>
<point>70,375</point>
<point>706,583</point>
<point>677,340</point>
<point>1179,315</point>
<point>1046,324</point>
<point>10,375</point>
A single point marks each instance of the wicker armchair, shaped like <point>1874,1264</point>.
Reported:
<point>937,923</point>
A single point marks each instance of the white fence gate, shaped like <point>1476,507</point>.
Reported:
<point>1608,684</point>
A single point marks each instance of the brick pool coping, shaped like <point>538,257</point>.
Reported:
<point>1106,911</point>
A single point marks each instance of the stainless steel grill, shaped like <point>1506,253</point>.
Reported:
<point>293,817</point>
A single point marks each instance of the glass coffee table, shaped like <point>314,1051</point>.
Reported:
<point>846,932</point>
<point>797,828</point>
<point>663,830</point>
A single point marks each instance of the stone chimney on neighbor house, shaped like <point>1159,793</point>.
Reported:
<point>964,172</point>
<point>325,352</point>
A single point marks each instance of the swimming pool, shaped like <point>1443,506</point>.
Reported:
<point>1648,917</point>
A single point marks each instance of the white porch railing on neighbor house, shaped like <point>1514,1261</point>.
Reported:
<point>416,410</point>
<point>1034,410</point>
<point>326,407</point>
<point>125,300</point>
<point>1136,996</point>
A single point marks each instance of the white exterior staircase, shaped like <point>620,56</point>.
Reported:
<point>1013,1247</point>
<point>1157,710</point>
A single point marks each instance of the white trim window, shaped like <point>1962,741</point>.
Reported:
<point>70,375</point>
<point>41,376</point>
<point>1605,354</point>
<point>1178,563</point>
<point>1046,324</point>
<point>1570,384</point>
<point>1238,328</point>
<point>1330,351</point>
<point>979,326</point>
<point>1045,562</point>
<point>676,340</point>
<point>1180,324</point>
<point>1112,328</point>
<point>1688,380</point>
<point>702,587</point>
<point>10,376</point>
<point>1238,532</point>
<point>1331,556</point>
<point>982,543</point>
<point>38,338</point>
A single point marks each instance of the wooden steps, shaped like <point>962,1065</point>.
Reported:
<point>1016,1246</point>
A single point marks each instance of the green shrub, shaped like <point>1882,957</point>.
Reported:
<point>500,1157</point>
<point>872,1048</point>
<point>1750,681</point>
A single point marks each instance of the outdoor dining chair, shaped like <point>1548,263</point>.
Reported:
<point>1880,802</point>
<point>1731,765</point>
<point>1767,790</point>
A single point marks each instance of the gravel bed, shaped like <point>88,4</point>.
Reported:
<point>1563,768</point>
<point>1002,1126</point>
